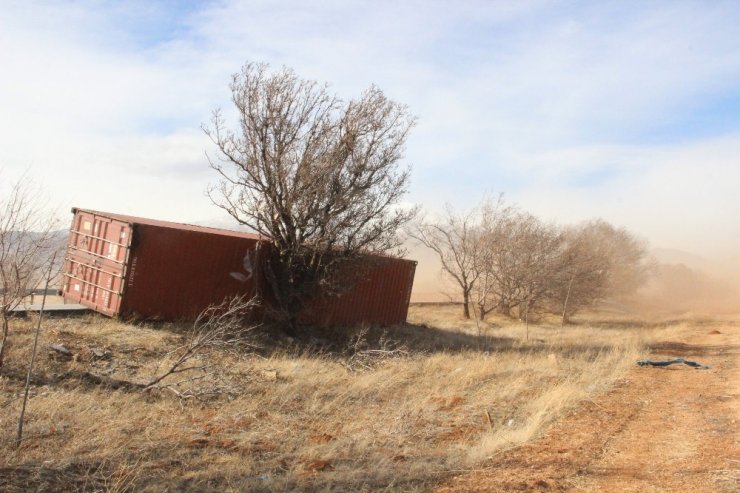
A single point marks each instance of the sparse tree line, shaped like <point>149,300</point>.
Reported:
<point>508,261</point>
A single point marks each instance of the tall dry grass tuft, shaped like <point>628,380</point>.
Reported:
<point>438,397</point>
<point>574,379</point>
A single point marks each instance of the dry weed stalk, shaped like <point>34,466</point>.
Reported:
<point>49,275</point>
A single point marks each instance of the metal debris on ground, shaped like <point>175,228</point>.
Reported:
<point>61,349</point>
<point>693,364</point>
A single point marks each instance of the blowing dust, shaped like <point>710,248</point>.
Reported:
<point>691,284</point>
<point>678,282</point>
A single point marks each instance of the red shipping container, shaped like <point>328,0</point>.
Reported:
<point>132,267</point>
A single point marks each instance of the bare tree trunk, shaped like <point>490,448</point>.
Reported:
<point>505,310</point>
<point>565,303</point>
<point>19,435</point>
<point>466,304</point>
<point>5,338</point>
<point>479,330</point>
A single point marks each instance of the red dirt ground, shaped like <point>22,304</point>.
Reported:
<point>659,430</point>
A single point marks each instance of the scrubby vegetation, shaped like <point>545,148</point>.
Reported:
<point>360,409</point>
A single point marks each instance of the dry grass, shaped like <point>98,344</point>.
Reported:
<point>302,418</point>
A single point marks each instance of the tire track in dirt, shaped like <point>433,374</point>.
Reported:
<point>658,430</point>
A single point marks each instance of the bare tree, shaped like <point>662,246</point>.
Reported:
<point>520,261</point>
<point>583,272</point>
<point>627,256</point>
<point>456,240</point>
<point>317,175</point>
<point>538,245</point>
<point>598,261</point>
<point>26,244</point>
<point>494,291</point>
<point>500,257</point>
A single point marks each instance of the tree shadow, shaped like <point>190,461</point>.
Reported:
<point>625,324</point>
<point>414,339</point>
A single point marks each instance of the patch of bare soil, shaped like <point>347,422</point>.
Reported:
<point>666,429</point>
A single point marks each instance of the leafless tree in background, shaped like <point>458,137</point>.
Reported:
<point>538,246</point>
<point>629,266</point>
<point>319,176</point>
<point>456,239</point>
<point>520,261</point>
<point>624,254</point>
<point>582,274</point>
<point>27,242</point>
<point>599,261</point>
<point>495,222</point>
<point>507,260</point>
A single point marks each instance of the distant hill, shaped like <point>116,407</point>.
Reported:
<point>727,267</point>
<point>222,223</point>
<point>58,238</point>
<point>58,243</point>
<point>675,256</point>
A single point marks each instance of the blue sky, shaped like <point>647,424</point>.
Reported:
<point>625,110</point>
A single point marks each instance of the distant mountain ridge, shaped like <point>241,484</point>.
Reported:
<point>726,267</point>
<point>676,256</point>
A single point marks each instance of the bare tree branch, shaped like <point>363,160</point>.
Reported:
<point>217,327</point>
<point>27,243</point>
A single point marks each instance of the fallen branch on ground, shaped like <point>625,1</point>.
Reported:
<point>217,327</point>
<point>367,359</point>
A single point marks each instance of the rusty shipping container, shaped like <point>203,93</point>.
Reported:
<point>132,267</point>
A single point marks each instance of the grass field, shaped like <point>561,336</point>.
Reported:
<point>356,409</point>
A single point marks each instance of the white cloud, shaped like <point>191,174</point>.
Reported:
<point>554,105</point>
<point>682,196</point>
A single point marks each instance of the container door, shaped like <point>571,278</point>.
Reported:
<point>95,264</point>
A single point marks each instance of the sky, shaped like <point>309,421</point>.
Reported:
<point>629,111</point>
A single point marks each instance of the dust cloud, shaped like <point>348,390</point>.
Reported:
<point>430,285</point>
<point>679,282</point>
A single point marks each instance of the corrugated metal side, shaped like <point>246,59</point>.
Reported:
<point>174,273</point>
<point>380,298</point>
<point>95,263</point>
<point>139,268</point>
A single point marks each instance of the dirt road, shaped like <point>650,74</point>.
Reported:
<point>659,430</point>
